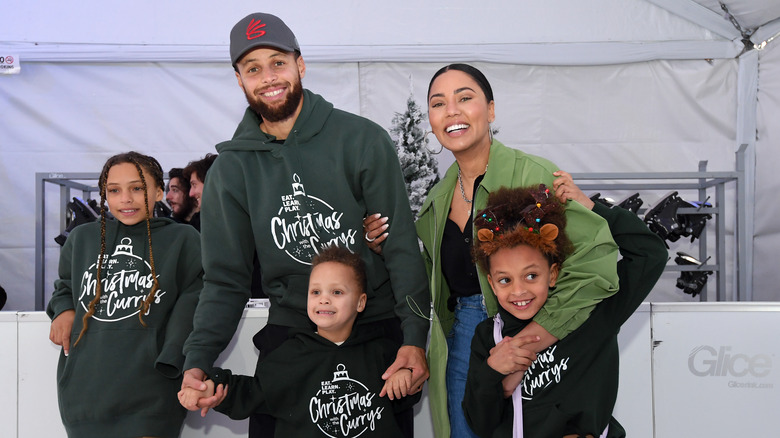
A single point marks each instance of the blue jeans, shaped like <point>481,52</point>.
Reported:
<point>469,312</point>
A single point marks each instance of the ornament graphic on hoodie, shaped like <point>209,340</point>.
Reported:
<point>304,224</point>
<point>344,407</point>
<point>127,279</point>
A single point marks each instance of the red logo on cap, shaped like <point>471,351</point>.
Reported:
<point>253,29</point>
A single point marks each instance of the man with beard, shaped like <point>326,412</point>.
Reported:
<point>177,193</point>
<point>195,174</point>
<point>300,175</point>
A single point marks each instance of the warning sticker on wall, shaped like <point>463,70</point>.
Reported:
<point>9,64</point>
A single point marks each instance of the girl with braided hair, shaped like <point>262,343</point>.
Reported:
<point>122,309</point>
<point>570,388</point>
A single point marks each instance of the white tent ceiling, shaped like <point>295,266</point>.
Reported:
<point>604,85</point>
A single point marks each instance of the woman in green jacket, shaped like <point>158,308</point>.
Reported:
<point>460,110</point>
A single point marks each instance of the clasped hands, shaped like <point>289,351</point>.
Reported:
<point>510,358</point>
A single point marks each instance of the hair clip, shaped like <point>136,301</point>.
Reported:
<point>489,226</point>
<point>549,232</point>
<point>485,235</point>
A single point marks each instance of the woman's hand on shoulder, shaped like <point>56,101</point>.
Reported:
<point>565,189</point>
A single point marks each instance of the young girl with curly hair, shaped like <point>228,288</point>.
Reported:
<point>570,388</point>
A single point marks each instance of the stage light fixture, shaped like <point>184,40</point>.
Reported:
<point>664,219</point>
<point>161,209</point>
<point>78,212</point>
<point>693,223</point>
<point>631,203</point>
<point>691,282</point>
<point>596,197</point>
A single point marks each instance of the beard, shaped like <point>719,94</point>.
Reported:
<point>280,112</point>
<point>183,210</point>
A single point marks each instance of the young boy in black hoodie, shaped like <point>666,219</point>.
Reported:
<point>326,381</point>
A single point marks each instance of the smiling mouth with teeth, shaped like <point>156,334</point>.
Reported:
<point>521,303</point>
<point>273,93</point>
<point>456,127</point>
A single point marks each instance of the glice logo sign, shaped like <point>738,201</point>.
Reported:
<point>707,361</point>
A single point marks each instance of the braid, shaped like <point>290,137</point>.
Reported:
<point>155,284</point>
<point>99,283</point>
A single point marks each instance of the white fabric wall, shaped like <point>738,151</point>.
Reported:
<point>767,208</point>
<point>347,22</point>
<point>645,116</point>
<point>71,117</point>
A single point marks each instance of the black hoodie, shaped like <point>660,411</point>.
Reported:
<point>572,386</point>
<point>315,388</point>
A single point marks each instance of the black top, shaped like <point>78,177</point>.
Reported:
<point>457,265</point>
<point>571,387</point>
<point>195,221</point>
<point>335,395</point>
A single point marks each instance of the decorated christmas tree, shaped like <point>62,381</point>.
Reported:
<point>420,168</point>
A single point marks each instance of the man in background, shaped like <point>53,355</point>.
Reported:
<point>177,194</point>
<point>195,173</point>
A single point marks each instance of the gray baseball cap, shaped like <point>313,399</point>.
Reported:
<point>259,30</point>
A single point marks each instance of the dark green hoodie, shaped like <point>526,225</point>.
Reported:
<point>121,379</point>
<point>289,199</point>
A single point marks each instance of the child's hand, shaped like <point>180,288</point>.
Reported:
<point>213,401</point>
<point>509,356</point>
<point>61,326</point>
<point>189,397</point>
<point>511,382</point>
<point>398,384</point>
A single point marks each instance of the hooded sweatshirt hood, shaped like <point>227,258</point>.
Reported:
<point>249,136</point>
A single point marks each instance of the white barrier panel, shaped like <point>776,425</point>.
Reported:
<point>715,369</point>
<point>29,362</point>
<point>712,373</point>
<point>8,373</point>
<point>39,414</point>
<point>240,357</point>
<point>634,406</point>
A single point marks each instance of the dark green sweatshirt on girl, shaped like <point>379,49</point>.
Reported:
<point>121,379</point>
